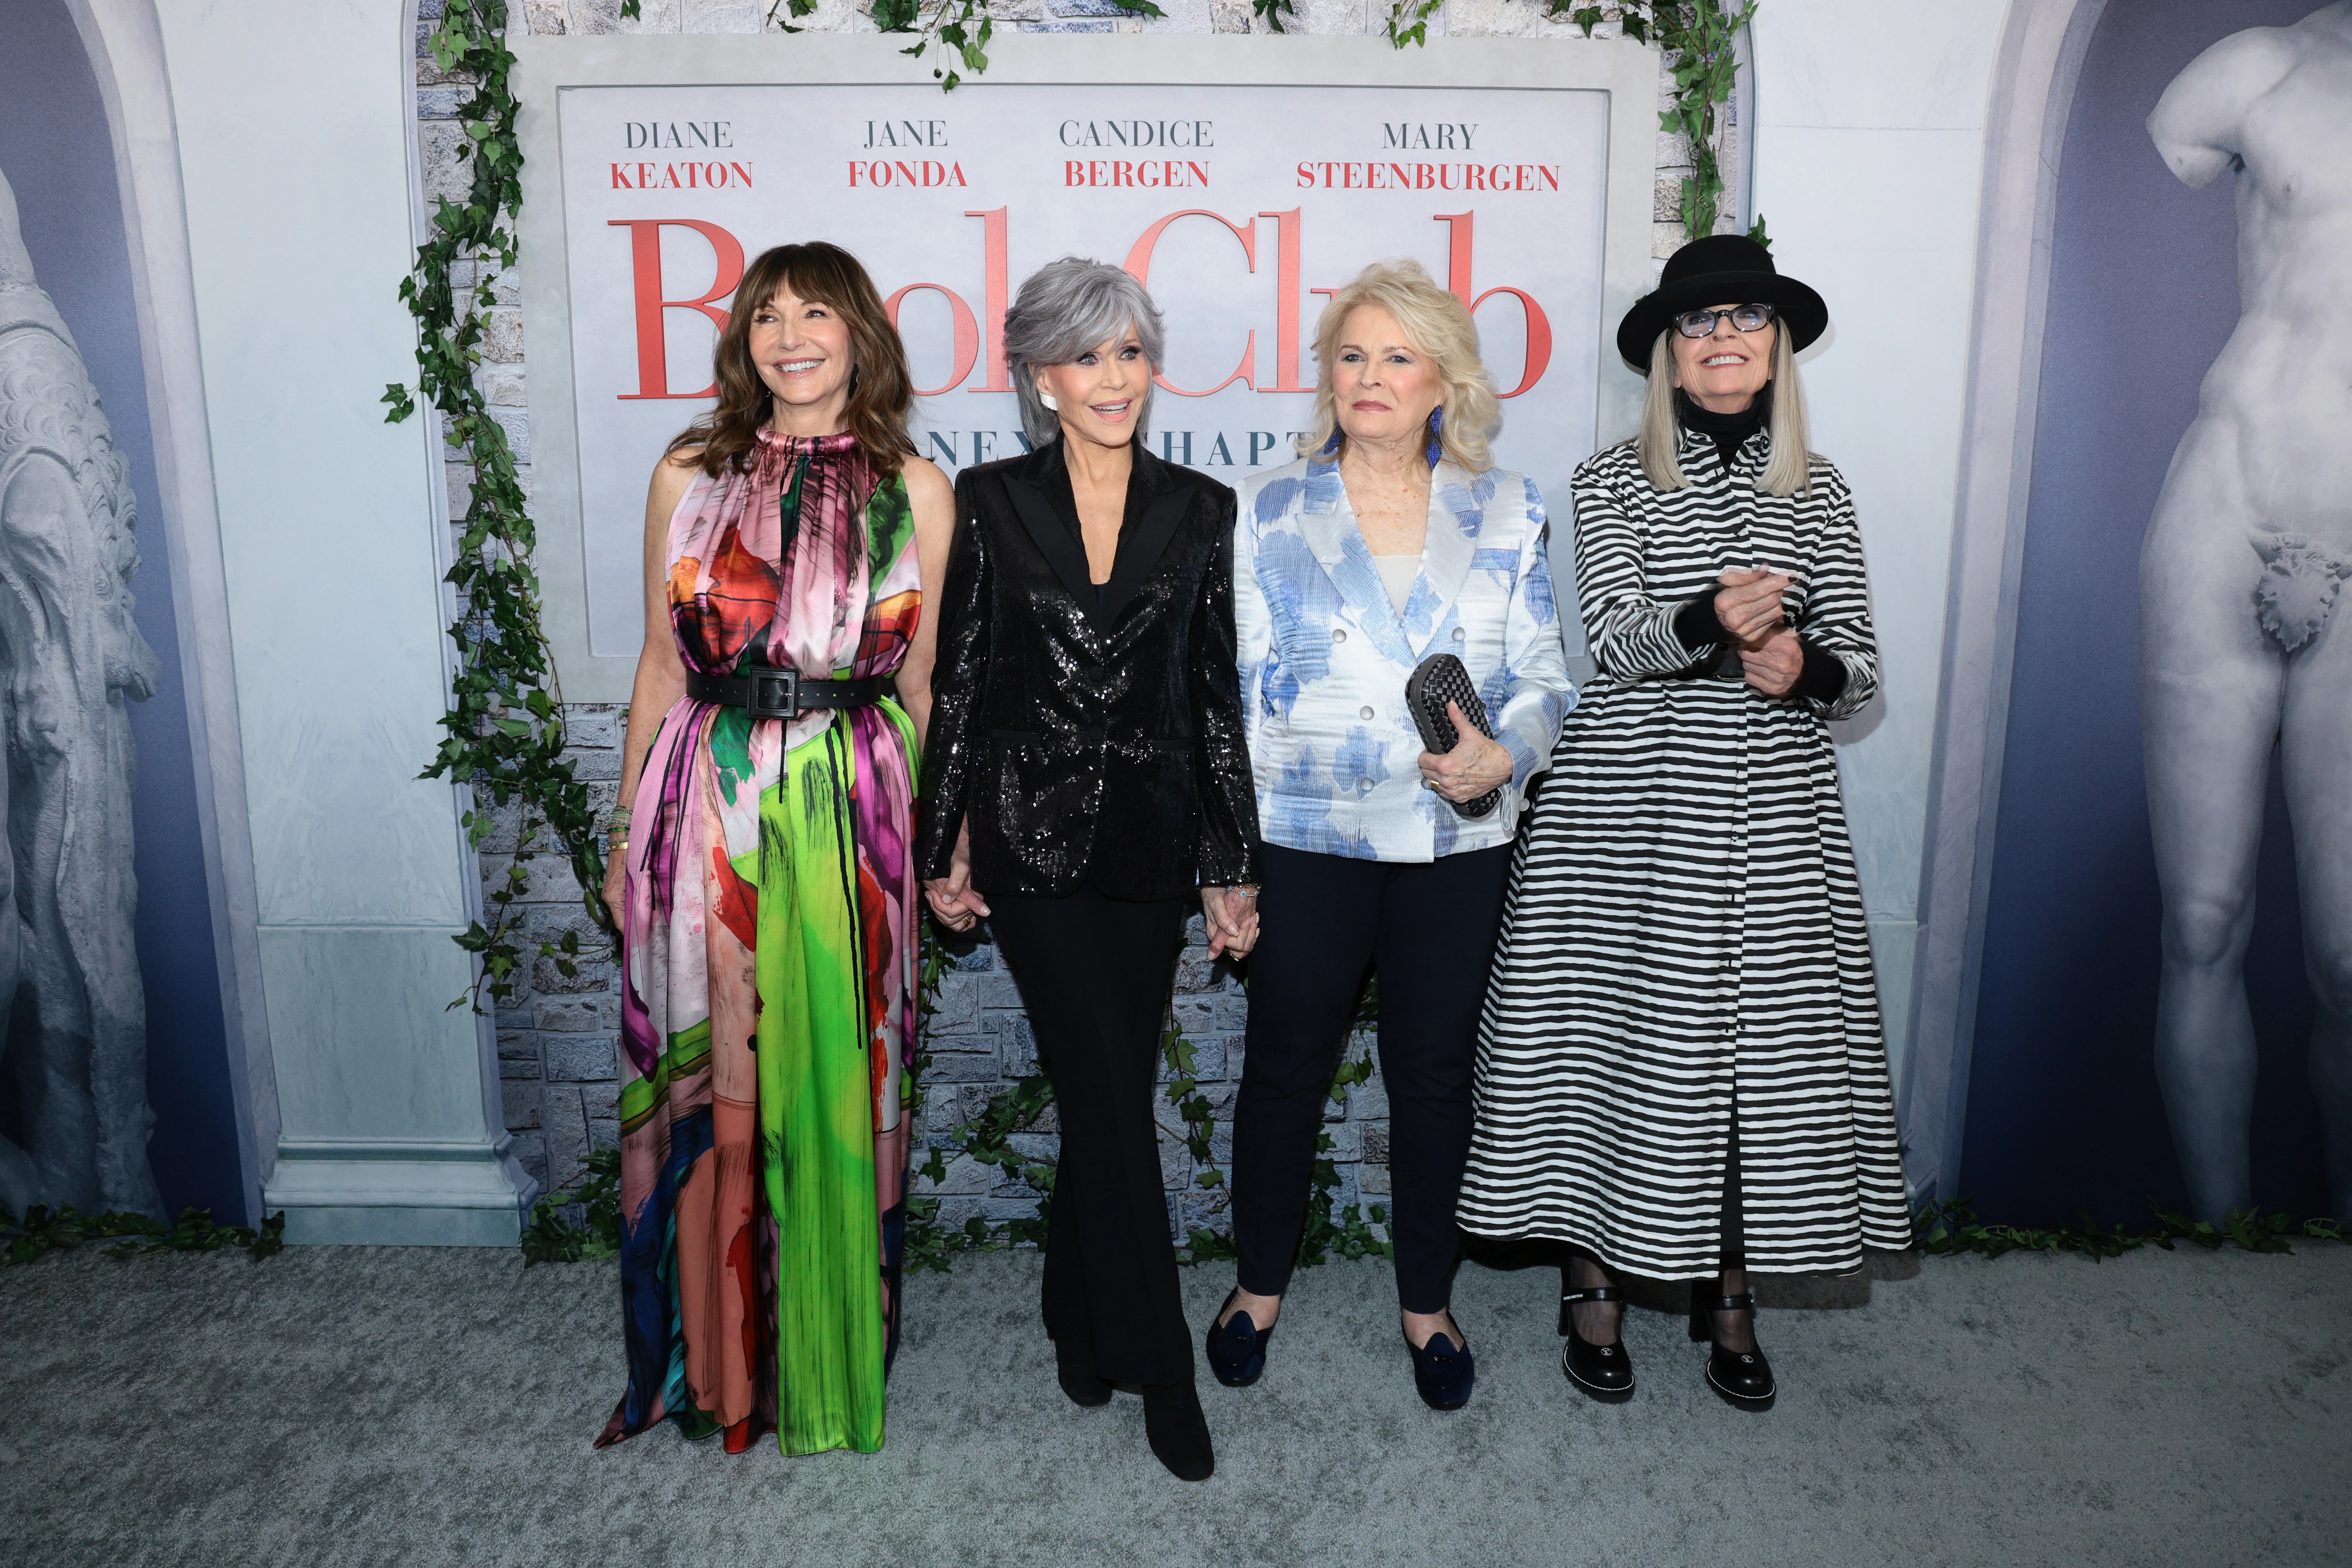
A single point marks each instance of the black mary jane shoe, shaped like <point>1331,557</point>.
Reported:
<point>1743,1378</point>
<point>1073,1365</point>
<point>1604,1371</point>
<point>1442,1371</point>
<point>1178,1431</point>
<point>1236,1347</point>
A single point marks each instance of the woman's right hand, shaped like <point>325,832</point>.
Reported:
<point>616,891</point>
<point>1748,604</point>
<point>955,902</point>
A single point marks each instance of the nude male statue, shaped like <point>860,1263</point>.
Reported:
<point>2241,644</point>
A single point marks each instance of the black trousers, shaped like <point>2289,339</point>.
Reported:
<point>1095,972</point>
<point>1431,928</point>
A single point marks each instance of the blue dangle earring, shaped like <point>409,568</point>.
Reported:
<point>1436,424</point>
<point>1331,446</point>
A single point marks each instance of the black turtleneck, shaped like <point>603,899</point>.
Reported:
<point>1695,626</point>
<point>1726,430</point>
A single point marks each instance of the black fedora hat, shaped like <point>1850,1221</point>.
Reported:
<point>1725,269</point>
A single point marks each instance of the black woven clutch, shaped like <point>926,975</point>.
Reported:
<point>1437,681</point>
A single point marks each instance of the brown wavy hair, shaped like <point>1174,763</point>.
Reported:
<point>881,391</point>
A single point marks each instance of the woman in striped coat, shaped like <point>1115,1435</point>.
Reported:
<point>1682,1072</point>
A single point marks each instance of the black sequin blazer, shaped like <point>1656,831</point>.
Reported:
<point>1089,736</point>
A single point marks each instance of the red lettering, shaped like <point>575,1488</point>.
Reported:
<point>1460,228</point>
<point>743,173</point>
<point>1138,264</point>
<point>669,177</point>
<point>1143,174</point>
<point>995,271</point>
<point>1401,176</point>
<point>1551,173</point>
<point>956,175</point>
<point>907,175</point>
<point>854,172</point>
<point>1095,175</point>
<point>966,335</point>
<point>1074,173</point>
<point>1200,171</point>
<point>620,180</point>
<point>1474,178</point>
<point>1285,302</point>
<point>644,261</point>
<point>1305,176</point>
<point>1348,176</point>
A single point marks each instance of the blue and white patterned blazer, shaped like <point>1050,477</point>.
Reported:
<point>1325,656</point>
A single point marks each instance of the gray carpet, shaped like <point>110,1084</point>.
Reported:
<point>415,1406</point>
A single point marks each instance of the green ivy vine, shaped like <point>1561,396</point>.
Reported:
<point>1951,1228</point>
<point>503,735</point>
<point>44,1230</point>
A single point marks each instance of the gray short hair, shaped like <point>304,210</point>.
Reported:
<point>1064,309</point>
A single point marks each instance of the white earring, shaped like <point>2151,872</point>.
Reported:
<point>1050,401</point>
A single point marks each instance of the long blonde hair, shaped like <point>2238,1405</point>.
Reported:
<point>1788,472</point>
<point>1438,324</point>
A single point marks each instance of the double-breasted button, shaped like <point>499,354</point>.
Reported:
<point>1364,713</point>
<point>1338,634</point>
<point>1363,786</point>
<point>1457,634</point>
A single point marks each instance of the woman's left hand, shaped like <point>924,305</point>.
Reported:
<point>1231,915</point>
<point>1773,669</point>
<point>1473,766</point>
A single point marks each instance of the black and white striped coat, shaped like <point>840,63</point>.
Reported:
<point>1685,938</point>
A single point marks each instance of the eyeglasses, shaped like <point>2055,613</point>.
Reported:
<point>1746,318</point>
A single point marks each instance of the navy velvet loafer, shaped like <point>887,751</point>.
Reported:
<point>1443,1372</point>
<point>1236,1348</point>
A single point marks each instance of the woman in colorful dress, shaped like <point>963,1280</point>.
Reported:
<point>1681,1069</point>
<point>762,879</point>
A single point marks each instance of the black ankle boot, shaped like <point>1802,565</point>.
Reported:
<point>1178,1431</point>
<point>1744,1378</point>
<point>1604,1371</point>
<point>1074,1364</point>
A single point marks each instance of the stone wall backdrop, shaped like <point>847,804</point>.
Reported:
<point>558,1041</point>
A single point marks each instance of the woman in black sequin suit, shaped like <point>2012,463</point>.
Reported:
<point>1085,778</point>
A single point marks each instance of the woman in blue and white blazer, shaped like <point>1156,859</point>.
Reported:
<point>1396,540</point>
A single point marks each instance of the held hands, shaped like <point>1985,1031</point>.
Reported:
<point>955,903</point>
<point>1773,667</point>
<point>1749,604</point>
<point>1473,766</point>
<point>1231,915</point>
<point>1749,607</point>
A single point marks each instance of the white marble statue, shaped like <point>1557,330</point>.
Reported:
<point>2242,643</point>
<point>73,1068</point>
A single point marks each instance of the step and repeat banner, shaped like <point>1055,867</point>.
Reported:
<point>656,173</point>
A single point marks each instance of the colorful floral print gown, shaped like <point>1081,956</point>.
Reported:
<point>769,953</point>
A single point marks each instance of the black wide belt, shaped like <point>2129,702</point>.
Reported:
<point>779,693</point>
